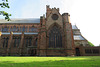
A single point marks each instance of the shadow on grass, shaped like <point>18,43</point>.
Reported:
<point>51,63</point>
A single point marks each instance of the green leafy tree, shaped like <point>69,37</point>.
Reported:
<point>4,4</point>
<point>90,43</point>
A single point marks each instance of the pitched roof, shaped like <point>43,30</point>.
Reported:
<point>74,27</point>
<point>78,37</point>
<point>18,33</point>
<point>33,20</point>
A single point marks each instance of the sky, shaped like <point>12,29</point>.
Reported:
<point>84,13</point>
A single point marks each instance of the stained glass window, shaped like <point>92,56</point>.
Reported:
<point>36,42</point>
<point>28,41</point>
<point>54,16</point>
<point>55,38</point>
<point>32,29</point>
<point>16,41</point>
<point>14,28</point>
<point>17,29</point>
<point>5,29</point>
<point>5,41</point>
<point>23,29</point>
<point>10,29</point>
<point>20,29</point>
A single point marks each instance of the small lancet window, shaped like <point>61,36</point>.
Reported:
<point>23,29</point>
<point>14,28</point>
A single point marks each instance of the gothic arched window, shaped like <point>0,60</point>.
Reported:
<point>14,28</point>
<point>36,42</point>
<point>23,29</point>
<point>26,29</point>
<point>11,29</point>
<point>20,29</point>
<point>5,29</point>
<point>5,42</point>
<point>31,29</point>
<point>55,37</point>
<point>16,41</point>
<point>17,29</point>
<point>28,41</point>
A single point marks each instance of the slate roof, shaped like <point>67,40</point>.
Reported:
<point>34,20</point>
<point>78,37</point>
<point>18,33</point>
<point>5,33</point>
<point>74,27</point>
<point>30,33</point>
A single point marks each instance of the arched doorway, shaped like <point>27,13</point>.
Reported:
<point>55,37</point>
<point>77,52</point>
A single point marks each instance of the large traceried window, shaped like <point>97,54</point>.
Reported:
<point>55,38</point>
<point>16,41</point>
<point>28,41</point>
<point>5,41</point>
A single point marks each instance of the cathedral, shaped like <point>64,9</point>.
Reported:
<point>53,35</point>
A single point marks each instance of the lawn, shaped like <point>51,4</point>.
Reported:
<point>82,61</point>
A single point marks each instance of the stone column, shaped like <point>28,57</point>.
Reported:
<point>21,43</point>
<point>9,42</point>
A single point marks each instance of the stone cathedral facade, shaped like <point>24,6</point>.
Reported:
<point>52,35</point>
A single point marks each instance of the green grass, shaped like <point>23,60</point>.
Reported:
<point>83,61</point>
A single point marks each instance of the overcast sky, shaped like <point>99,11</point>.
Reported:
<point>84,13</point>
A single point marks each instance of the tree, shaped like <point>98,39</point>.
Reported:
<point>90,43</point>
<point>5,5</point>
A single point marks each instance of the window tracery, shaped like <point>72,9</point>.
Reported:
<point>5,41</point>
<point>32,29</point>
<point>55,38</point>
<point>16,41</point>
<point>28,41</point>
<point>23,29</point>
<point>14,28</point>
<point>5,29</point>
